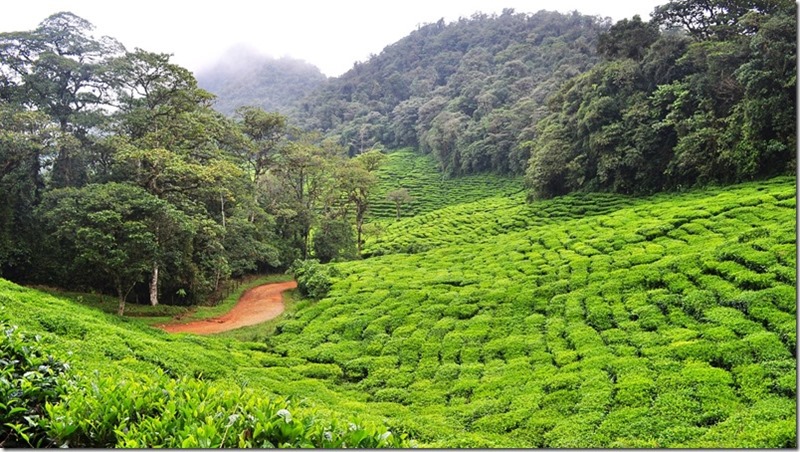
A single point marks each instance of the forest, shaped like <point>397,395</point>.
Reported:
<point>511,230</point>
<point>700,93</point>
<point>116,159</point>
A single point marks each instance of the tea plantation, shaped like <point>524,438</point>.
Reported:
<point>584,321</point>
<point>428,188</point>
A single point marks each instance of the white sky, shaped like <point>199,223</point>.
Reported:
<point>331,34</point>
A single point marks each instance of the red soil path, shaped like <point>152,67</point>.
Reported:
<point>257,305</point>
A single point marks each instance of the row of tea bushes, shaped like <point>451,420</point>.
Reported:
<point>129,385</point>
<point>430,190</point>
<point>664,322</point>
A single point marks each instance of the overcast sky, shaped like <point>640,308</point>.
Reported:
<point>331,34</point>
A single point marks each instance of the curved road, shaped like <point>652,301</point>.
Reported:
<point>257,305</point>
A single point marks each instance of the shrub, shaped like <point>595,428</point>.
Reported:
<point>752,381</point>
<point>395,395</point>
<point>598,314</point>
<point>28,381</point>
<point>142,411</point>
<point>313,278</point>
<point>319,371</point>
<point>627,423</point>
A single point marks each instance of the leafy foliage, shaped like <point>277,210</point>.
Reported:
<point>28,382</point>
<point>145,411</point>
<point>313,279</point>
<point>673,109</point>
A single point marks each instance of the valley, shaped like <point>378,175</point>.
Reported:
<point>667,321</point>
<point>511,230</point>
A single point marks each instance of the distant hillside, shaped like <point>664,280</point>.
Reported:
<point>243,77</point>
<point>468,92</point>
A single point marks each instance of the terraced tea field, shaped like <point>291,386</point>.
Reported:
<point>580,322</point>
<point>429,189</point>
<point>667,321</point>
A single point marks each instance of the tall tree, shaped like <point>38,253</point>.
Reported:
<point>112,230</point>
<point>399,197</point>
<point>301,176</point>
<point>356,183</point>
<point>267,132</point>
<point>60,69</point>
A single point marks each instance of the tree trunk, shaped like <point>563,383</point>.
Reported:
<point>154,285</point>
<point>121,309</point>
<point>222,207</point>
<point>398,210</point>
<point>306,235</point>
<point>359,224</point>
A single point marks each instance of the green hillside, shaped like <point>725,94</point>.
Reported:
<point>665,322</point>
<point>121,370</point>
<point>584,321</point>
<point>429,189</point>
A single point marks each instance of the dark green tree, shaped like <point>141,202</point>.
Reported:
<point>112,231</point>
<point>24,136</point>
<point>628,38</point>
<point>334,240</point>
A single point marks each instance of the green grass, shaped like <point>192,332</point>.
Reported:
<point>586,321</point>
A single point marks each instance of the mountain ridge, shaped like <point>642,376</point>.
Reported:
<point>243,76</point>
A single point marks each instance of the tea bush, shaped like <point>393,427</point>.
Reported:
<point>29,381</point>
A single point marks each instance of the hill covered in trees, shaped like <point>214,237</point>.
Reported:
<point>701,92</point>
<point>468,92</point>
<point>243,78</point>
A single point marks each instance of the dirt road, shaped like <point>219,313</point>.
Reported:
<point>257,305</point>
